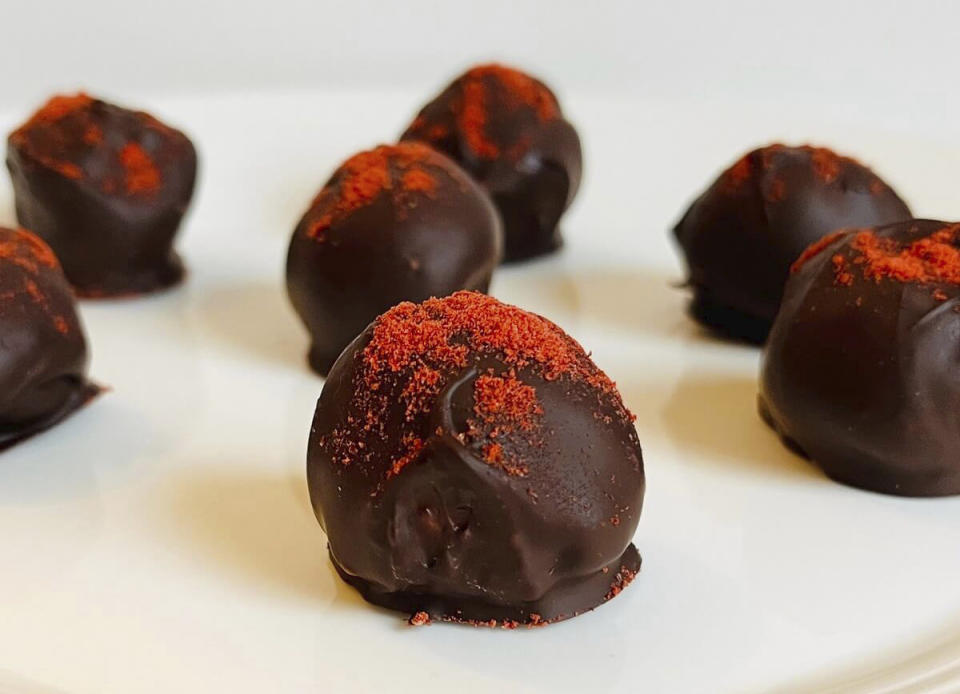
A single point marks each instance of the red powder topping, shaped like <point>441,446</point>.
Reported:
<point>140,173</point>
<point>739,172</point>
<point>433,132</point>
<point>33,290</point>
<point>487,85</point>
<point>45,119</point>
<point>623,578</point>
<point>934,258</point>
<point>520,89</point>
<point>506,401</point>
<point>473,120</point>
<point>400,169</point>
<point>841,274</point>
<point>493,453</point>
<point>93,135</point>
<point>420,619</point>
<point>66,130</point>
<point>533,621</point>
<point>777,190</point>
<point>826,164</point>
<point>412,446</point>
<point>65,168</point>
<point>505,407</point>
<point>877,186</point>
<point>416,349</point>
<point>418,180</point>
<point>27,251</point>
<point>815,248</point>
<point>423,386</point>
<point>56,108</point>
<point>437,131</point>
<point>410,334</point>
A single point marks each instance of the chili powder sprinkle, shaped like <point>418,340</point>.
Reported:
<point>67,131</point>
<point>400,170</point>
<point>414,350</point>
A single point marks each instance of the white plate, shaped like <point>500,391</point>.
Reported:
<point>161,539</point>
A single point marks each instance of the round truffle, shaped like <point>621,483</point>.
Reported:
<point>506,129</point>
<point>862,368</point>
<point>397,223</point>
<point>740,237</point>
<point>106,188</point>
<point>43,352</point>
<point>469,461</point>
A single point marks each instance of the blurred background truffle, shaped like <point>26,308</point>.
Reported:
<point>739,238</point>
<point>507,130</point>
<point>396,223</point>
<point>43,351</point>
<point>107,188</point>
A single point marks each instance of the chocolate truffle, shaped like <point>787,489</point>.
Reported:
<point>43,353</point>
<point>397,223</point>
<point>506,129</point>
<point>740,237</point>
<point>862,368</point>
<point>106,188</point>
<point>469,461</point>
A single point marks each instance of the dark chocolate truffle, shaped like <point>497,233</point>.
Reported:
<point>107,189</point>
<point>43,352</point>
<point>506,129</point>
<point>397,223</point>
<point>740,237</point>
<point>469,461</point>
<point>862,368</point>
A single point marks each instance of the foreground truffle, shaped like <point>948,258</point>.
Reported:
<point>862,368</point>
<point>469,462</point>
<point>400,223</point>
<point>506,129</point>
<point>106,188</point>
<point>740,237</point>
<point>43,352</point>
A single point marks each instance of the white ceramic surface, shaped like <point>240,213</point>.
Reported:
<point>161,540</point>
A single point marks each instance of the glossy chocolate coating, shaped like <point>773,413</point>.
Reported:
<point>391,245</point>
<point>43,352</point>
<point>106,188</point>
<point>506,129</point>
<point>739,237</point>
<point>536,532</point>
<point>862,371</point>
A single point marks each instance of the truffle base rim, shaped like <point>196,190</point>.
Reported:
<point>85,392</point>
<point>726,320</point>
<point>862,475</point>
<point>153,280</point>
<point>565,600</point>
